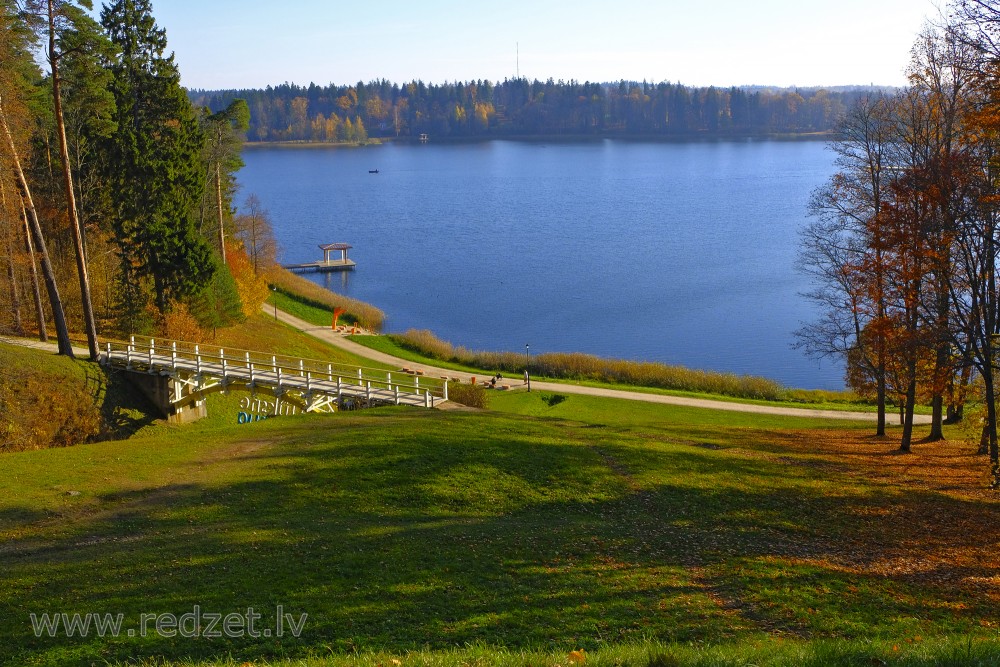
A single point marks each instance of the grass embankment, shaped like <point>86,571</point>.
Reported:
<point>642,534</point>
<point>52,401</point>
<point>305,299</point>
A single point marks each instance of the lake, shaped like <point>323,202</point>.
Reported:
<point>676,252</point>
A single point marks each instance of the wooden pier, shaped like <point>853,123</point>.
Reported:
<point>327,263</point>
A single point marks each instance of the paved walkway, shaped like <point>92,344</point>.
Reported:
<point>344,342</point>
<point>51,346</point>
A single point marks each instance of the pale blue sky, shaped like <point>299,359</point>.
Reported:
<point>253,43</point>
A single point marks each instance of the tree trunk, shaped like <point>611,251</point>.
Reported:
<point>58,314</point>
<point>15,297</point>
<point>74,219</point>
<point>937,419</point>
<point>36,291</point>
<point>218,200</point>
<point>910,402</point>
<point>956,406</point>
<point>880,397</point>
<point>991,431</point>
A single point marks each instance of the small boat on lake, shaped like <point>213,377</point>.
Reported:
<point>373,171</point>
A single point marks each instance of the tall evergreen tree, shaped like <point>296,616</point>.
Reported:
<point>154,164</point>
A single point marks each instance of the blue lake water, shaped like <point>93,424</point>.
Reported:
<point>675,252</point>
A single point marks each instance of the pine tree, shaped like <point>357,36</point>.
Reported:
<point>154,163</point>
<point>224,133</point>
<point>218,304</point>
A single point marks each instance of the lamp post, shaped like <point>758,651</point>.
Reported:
<point>274,300</point>
<point>527,360</point>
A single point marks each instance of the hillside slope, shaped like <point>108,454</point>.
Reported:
<point>398,530</point>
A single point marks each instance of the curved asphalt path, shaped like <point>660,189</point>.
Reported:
<point>340,340</point>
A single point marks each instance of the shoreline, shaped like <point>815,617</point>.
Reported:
<point>548,138</point>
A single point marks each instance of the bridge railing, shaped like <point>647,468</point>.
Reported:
<point>279,370</point>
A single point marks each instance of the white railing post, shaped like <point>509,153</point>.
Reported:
<point>248,360</point>
<point>368,390</point>
<point>395,391</point>
<point>308,382</point>
<point>301,368</point>
<point>109,353</point>
<point>329,370</point>
<point>446,390</point>
<point>197,359</point>
<point>274,363</point>
<point>427,398</point>
<point>173,356</point>
<point>279,376</point>
<point>251,372</point>
<point>222,355</point>
<point>416,382</point>
<point>150,350</point>
<point>359,374</point>
<point>388,379</point>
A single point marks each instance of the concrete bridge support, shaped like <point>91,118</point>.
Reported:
<point>168,394</point>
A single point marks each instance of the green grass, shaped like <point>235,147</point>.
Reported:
<point>642,534</point>
<point>264,333</point>
<point>958,651</point>
<point>304,310</point>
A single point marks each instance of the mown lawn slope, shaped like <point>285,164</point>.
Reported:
<point>575,528</point>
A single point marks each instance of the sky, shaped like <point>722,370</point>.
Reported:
<point>255,43</point>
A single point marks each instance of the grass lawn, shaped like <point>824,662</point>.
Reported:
<point>637,533</point>
<point>304,311</point>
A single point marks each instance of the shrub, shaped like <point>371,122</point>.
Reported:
<point>472,395</point>
<point>180,324</point>
<point>252,288</point>
<point>40,410</point>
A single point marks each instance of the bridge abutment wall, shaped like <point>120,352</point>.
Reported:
<point>161,389</point>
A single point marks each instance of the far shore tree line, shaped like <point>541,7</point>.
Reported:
<point>116,193</point>
<point>904,238</point>
<point>519,107</point>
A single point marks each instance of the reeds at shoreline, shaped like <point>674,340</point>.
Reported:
<point>303,289</point>
<point>579,366</point>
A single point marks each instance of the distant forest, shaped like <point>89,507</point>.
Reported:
<point>520,107</point>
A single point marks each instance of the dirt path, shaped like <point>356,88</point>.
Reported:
<point>340,340</point>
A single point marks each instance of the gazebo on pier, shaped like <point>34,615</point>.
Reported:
<point>328,263</point>
<point>342,248</point>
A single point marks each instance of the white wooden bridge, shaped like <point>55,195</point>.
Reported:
<point>179,375</point>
